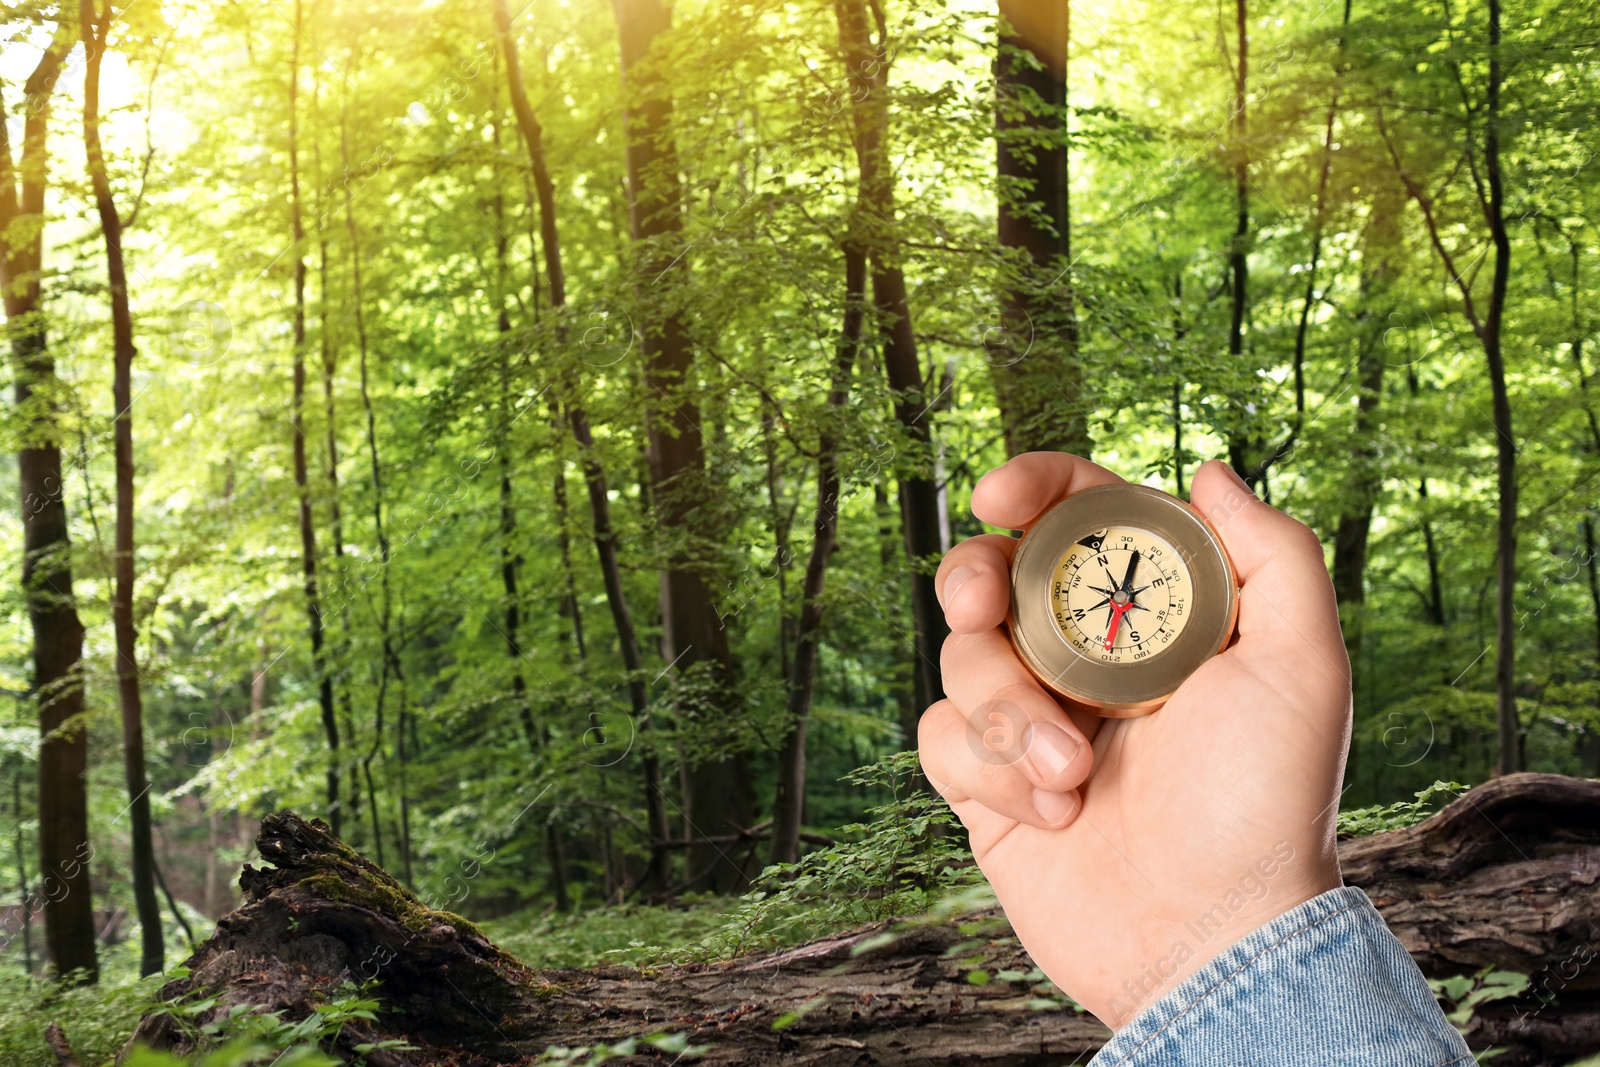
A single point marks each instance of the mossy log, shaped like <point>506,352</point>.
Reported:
<point>1504,877</point>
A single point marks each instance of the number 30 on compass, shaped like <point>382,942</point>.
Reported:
<point>1119,593</point>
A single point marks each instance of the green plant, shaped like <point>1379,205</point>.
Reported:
<point>908,858</point>
<point>248,1035</point>
<point>1462,994</point>
<point>590,1055</point>
<point>1360,822</point>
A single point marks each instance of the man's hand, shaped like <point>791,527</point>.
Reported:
<point>1129,852</point>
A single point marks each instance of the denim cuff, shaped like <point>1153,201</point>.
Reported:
<point>1324,984</point>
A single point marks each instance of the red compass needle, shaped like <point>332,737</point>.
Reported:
<point>1117,612</point>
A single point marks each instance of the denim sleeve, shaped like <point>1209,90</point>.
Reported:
<point>1324,984</point>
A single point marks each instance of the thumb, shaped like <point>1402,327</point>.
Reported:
<point>1288,615</point>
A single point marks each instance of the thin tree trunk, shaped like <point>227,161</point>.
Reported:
<point>1239,251</point>
<point>720,799</point>
<point>1487,326</point>
<point>308,531</point>
<point>1179,332</point>
<point>594,476</point>
<point>1578,334</point>
<point>1319,225</point>
<point>510,558</point>
<point>1038,371</point>
<point>867,70</point>
<point>330,366</point>
<point>390,665</point>
<point>22,874</point>
<point>1365,480</point>
<point>788,805</point>
<point>57,683</point>
<point>1505,444</point>
<point>94,27</point>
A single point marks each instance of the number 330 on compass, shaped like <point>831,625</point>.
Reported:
<point>1119,593</point>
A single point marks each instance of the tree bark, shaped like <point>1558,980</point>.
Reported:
<point>1462,891</point>
<point>95,27</point>
<point>390,664</point>
<point>1487,326</point>
<point>308,531</point>
<point>866,67</point>
<point>594,475</point>
<point>788,805</point>
<point>1239,249</point>
<point>1038,372</point>
<point>1508,731</point>
<point>57,683</point>
<point>719,797</point>
<point>1365,481</point>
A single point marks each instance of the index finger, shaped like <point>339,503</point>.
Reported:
<point>1016,493</point>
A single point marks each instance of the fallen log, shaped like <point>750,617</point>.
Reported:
<point>1503,877</point>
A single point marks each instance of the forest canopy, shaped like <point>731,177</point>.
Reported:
<point>523,434</point>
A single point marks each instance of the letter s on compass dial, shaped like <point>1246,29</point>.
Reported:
<point>1121,595</point>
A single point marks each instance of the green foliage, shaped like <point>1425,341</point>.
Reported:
<point>1380,817</point>
<point>908,858</point>
<point>676,1045</point>
<point>96,1019</point>
<point>248,1035</point>
<point>1462,995</point>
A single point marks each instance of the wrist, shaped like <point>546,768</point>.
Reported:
<point>1181,938</point>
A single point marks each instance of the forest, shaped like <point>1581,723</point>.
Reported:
<point>522,433</point>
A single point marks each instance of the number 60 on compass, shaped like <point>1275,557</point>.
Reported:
<point>1119,593</point>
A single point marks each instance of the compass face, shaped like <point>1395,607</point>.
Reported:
<point>1121,595</point>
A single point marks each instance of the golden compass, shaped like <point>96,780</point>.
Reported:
<point>1118,594</point>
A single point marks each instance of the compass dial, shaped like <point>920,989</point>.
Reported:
<point>1118,593</point>
<point>1121,595</point>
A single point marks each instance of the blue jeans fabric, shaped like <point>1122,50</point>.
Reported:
<point>1322,985</point>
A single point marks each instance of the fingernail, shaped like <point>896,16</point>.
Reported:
<point>1053,807</point>
<point>1233,475</point>
<point>1048,749</point>
<point>958,578</point>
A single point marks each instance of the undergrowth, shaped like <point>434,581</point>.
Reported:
<point>1359,822</point>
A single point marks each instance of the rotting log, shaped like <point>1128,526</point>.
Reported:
<point>1504,877</point>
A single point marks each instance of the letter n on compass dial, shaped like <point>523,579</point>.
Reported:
<point>1121,595</point>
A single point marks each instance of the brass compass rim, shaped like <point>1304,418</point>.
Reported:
<point>1120,690</point>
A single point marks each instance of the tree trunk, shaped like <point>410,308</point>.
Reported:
<point>1038,371</point>
<point>337,576</point>
<point>57,684</point>
<point>390,666</point>
<point>788,805</point>
<point>867,69</point>
<point>1319,225</point>
<point>94,27</point>
<point>1239,249</point>
<point>308,531</point>
<point>720,799</point>
<point>594,476</point>
<point>1508,732</point>
<point>1487,326</point>
<point>1460,891</point>
<point>1365,480</point>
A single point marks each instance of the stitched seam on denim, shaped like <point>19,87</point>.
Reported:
<point>1459,1061</point>
<point>1225,979</point>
